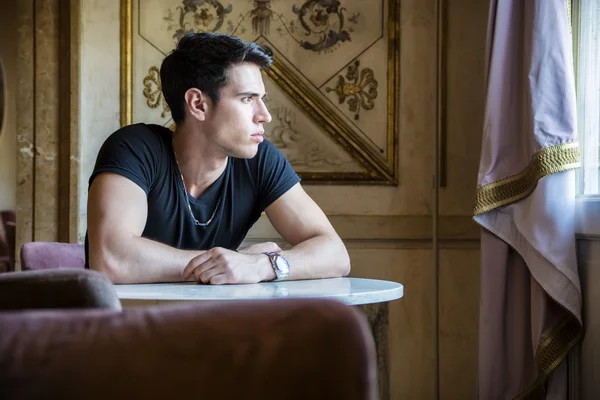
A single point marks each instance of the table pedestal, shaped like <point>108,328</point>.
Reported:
<point>377,315</point>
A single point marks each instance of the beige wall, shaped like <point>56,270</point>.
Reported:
<point>8,136</point>
<point>387,229</point>
<point>47,77</point>
<point>99,88</point>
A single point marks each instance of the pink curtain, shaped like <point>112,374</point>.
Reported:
<point>530,314</point>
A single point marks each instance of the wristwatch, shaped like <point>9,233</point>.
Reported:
<point>280,265</point>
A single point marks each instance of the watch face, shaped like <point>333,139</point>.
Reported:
<point>282,265</point>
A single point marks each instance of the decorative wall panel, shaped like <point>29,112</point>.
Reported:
<point>47,121</point>
<point>333,88</point>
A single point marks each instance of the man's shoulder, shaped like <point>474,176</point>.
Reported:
<point>137,152</point>
<point>142,131</point>
<point>141,137</point>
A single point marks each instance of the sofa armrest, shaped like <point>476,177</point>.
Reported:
<point>57,289</point>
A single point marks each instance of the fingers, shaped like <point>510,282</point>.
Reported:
<point>221,266</point>
<point>204,262</point>
<point>219,279</point>
<point>195,263</point>
<point>204,275</point>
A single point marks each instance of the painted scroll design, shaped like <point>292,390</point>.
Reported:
<point>358,89</point>
<point>298,149</point>
<point>325,19</point>
<point>197,16</point>
<point>320,20</point>
<point>153,92</point>
<point>320,24</point>
<point>375,170</point>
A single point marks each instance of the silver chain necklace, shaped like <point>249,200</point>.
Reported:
<point>185,193</point>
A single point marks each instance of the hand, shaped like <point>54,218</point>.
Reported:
<point>219,266</point>
<point>258,248</point>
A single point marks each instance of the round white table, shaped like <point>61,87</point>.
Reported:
<point>370,295</point>
<point>351,291</point>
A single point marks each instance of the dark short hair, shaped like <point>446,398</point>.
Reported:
<point>202,61</point>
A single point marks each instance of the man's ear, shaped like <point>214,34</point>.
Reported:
<point>197,103</point>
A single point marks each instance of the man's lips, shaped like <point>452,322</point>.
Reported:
<point>258,136</point>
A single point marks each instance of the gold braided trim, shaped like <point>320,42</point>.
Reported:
<point>549,160</point>
<point>551,352</point>
<point>535,391</point>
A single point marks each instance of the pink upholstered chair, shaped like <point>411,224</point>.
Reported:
<point>7,240</point>
<point>52,255</point>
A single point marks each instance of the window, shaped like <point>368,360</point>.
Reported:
<point>585,22</point>
<point>585,18</point>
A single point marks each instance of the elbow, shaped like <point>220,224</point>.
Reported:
<point>107,270</point>
<point>344,264</point>
<point>345,268</point>
<point>342,259</point>
<point>103,262</point>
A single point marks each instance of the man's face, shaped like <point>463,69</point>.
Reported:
<point>236,122</point>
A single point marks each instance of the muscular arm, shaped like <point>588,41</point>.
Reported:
<point>318,251</point>
<point>117,212</point>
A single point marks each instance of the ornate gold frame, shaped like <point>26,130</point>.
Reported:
<point>126,71</point>
<point>378,170</point>
<point>2,105</point>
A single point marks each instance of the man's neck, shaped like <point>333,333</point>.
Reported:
<point>200,164</point>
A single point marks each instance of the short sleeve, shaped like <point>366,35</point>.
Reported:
<point>275,174</point>
<point>133,152</point>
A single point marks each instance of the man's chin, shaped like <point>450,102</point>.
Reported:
<point>247,153</point>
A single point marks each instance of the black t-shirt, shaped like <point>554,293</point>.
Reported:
<point>144,154</point>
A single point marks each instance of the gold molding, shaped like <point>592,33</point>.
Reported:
<point>68,133</point>
<point>126,71</point>
<point>393,95</point>
<point>386,232</point>
<point>442,54</point>
<point>386,228</point>
<point>550,160</point>
<point>2,95</point>
<point>379,170</point>
<point>335,126</point>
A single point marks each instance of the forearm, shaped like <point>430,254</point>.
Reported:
<point>323,256</point>
<point>134,259</point>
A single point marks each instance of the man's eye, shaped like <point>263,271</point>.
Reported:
<point>247,99</point>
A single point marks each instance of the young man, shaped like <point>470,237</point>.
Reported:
<point>167,207</point>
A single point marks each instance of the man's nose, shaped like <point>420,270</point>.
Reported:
<point>263,115</point>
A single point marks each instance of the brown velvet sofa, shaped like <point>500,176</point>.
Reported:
<point>57,289</point>
<point>271,349</point>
